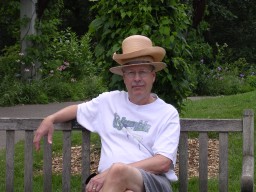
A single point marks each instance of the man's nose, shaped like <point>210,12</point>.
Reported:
<point>137,76</point>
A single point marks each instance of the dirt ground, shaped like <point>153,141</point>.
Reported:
<point>213,159</point>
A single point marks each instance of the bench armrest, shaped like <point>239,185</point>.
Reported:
<point>247,179</point>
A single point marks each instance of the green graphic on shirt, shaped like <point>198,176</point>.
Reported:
<point>120,123</point>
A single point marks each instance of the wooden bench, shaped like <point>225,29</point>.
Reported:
<point>223,127</point>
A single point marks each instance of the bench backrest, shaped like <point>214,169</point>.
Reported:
<point>223,127</point>
<point>202,126</point>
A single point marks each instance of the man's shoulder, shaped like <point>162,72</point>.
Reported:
<point>167,109</point>
<point>166,105</point>
<point>112,95</point>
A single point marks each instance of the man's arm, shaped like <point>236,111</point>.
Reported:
<point>157,164</point>
<point>46,127</point>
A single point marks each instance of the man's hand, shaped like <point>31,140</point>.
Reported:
<point>45,128</point>
<point>96,183</point>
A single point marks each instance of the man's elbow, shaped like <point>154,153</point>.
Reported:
<point>166,165</point>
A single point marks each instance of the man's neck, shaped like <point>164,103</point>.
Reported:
<point>144,100</point>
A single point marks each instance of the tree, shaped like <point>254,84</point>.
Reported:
<point>9,23</point>
<point>233,22</point>
<point>165,22</point>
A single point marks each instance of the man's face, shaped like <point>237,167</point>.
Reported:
<point>138,81</point>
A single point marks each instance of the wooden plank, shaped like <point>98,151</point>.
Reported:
<point>248,133</point>
<point>223,162</point>
<point>247,178</point>
<point>29,124</point>
<point>183,162</point>
<point>207,125</point>
<point>211,125</point>
<point>9,178</point>
<point>203,162</point>
<point>66,172</point>
<point>28,157</point>
<point>47,165</point>
<point>19,124</point>
<point>85,156</point>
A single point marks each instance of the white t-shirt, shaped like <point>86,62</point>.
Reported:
<point>131,132</point>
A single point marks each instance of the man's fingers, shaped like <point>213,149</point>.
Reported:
<point>36,141</point>
<point>49,136</point>
<point>45,128</point>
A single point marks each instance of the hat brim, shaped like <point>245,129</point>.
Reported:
<point>157,53</point>
<point>158,66</point>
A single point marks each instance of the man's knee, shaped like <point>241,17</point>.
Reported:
<point>125,175</point>
<point>118,169</point>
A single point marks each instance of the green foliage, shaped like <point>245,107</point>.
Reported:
<point>9,23</point>
<point>233,22</point>
<point>67,71</point>
<point>63,57</point>
<point>218,75</point>
<point>67,57</point>
<point>251,80</point>
<point>165,22</point>
<point>49,90</point>
<point>9,62</point>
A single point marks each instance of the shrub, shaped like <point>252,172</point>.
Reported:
<point>251,80</point>
<point>67,72</point>
<point>226,85</point>
<point>220,76</point>
<point>49,90</point>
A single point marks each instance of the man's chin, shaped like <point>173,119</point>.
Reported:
<point>137,92</point>
<point>138,89</point>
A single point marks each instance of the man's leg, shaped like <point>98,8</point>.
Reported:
<point>123,178</point>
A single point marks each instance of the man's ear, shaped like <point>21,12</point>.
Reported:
<point>154,78</point>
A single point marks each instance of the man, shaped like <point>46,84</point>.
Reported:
<point>139,131</point>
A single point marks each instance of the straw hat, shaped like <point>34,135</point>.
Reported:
<point>138,50</point>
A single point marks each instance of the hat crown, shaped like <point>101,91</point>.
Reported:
<point>139,50</point>
<point>135,43</point>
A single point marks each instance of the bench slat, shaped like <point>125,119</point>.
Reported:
<point>248,137</point>
<point>10,161</point>
<point>28,157</point>
<point>223,162</point>
<point>85,157</point>
<point>203,162</point>
<point>47,166</point>
<point>183,162</point>
<point>211,125</point>
<point>66,173</point>
<point>247,178</point>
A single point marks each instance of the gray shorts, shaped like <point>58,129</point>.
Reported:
<point>155,183</point>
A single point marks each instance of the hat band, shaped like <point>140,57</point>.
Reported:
<point>136,62</point>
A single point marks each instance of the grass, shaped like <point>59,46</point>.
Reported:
<point>220,107</point>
